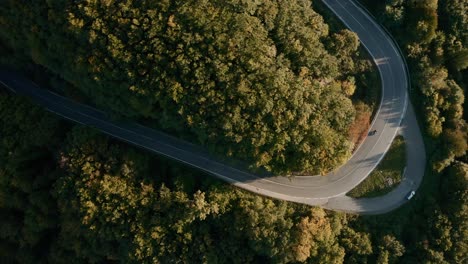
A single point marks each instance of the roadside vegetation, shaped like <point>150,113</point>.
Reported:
<point>434,36</point>
<point>69,194</point>
<point>387,175</point>
<point>366,97</point>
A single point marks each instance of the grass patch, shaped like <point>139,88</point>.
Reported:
<point>387,175</point>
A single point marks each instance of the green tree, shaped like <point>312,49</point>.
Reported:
<point>27,209</point>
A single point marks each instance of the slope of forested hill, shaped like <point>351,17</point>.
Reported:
<point>434,35</point>
<point>249,79</point>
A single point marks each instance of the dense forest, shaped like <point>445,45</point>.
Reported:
<point>263,81</point>
<point>434,36</point>
<point>69,194</point>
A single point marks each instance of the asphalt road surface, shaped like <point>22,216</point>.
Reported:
<point>329,190</point>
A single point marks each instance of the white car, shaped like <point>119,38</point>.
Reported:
<point>410,195</point>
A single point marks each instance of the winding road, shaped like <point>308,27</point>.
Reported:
<point>328,191</point>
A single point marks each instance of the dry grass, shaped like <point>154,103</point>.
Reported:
<point>358,129</point>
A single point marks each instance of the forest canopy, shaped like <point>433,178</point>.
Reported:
<point>69,194</point>
<point>249,79</point>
